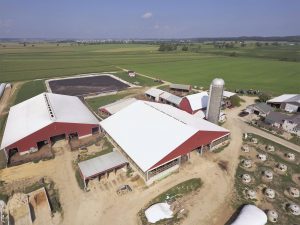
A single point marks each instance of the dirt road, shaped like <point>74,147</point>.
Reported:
<point>7,97</point>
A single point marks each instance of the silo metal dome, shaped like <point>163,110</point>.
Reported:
<point>218,82</point>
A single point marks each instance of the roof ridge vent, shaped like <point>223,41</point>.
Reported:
<point>165,113</point>
<point>49,108</point>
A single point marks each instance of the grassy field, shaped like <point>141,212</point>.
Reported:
<point>178,191</point>
<point>138,80</point>
<point>258,68</point>
<point>95,103</point>
<point>29,90</point>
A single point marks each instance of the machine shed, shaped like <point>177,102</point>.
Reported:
<point>101,164</point>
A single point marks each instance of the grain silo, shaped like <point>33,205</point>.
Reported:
<point>215,100</point>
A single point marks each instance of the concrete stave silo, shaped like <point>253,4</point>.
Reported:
<point>215,100</point>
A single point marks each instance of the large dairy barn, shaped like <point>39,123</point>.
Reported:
<point>43,119</point>
<point>156,137</point>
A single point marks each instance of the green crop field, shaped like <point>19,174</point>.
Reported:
<point>274,69</point>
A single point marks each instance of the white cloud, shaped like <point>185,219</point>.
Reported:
<point>147,15</point>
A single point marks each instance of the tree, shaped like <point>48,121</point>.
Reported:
<point>164,47</point>
<point>258,44</point>
<point>263,97</point>
<point>185,48</point>
<point>235,101</point>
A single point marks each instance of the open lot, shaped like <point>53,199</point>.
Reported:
<point>86,85</point>
<point>280,183</point>
<point>255,68</point>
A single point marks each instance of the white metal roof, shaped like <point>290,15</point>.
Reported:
<point>146,134</point>
<point>154,92</point>
<point>101,164</point>
<point>251,215</point>
<point>171,98</point>
<point>191,120</point>
<point>198,101</point>
<point>180,86</point>
<point>118,105</point>
<point>34,114</point>
<point>200,114</point>
<point>282,98</point>
<point>149,131</point>
<point>228,94</point>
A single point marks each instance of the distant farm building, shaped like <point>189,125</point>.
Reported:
<point>156,138</point>
<point>45,118</point>
<point>260,109</point>
<point>227,96</point>
<point>131,73</point>
<point>287,102</point>
<point>154,94</point>
<point>170,99</point>
<point>158,95</point>
<point>288,123</point>
<point>180,87</point>
<point>115,107</point>
<point>194,103</point>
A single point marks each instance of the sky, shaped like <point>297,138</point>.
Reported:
<point>92,19</point>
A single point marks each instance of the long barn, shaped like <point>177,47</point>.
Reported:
<point>45,118</point>
<point>156,138</point>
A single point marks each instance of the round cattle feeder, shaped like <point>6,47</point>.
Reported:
<point>246,178</point>
<point>245,148</point>
<point>254,140</point>
<point>282,167</point>
<point>270,148</point>
<point>294,209</point>
<point>262,157</point>
<point>251,194</point>
<point>247,163</point>
<point>290,156</point>
<point>294,192</point>
<point>270,193</point>
<point>272,216</point>
<point>268,174</point>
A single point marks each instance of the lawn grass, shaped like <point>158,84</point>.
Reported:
<point>137,80</point>
<point>257,68</point>
<point>172,194</point>
<point>29,90</point>
<point>96,102</point>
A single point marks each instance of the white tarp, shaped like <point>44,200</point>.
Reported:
<point>158,212</point>
<point>251,215</point>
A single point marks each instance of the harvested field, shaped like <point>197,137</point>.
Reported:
<point>87,85</point>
